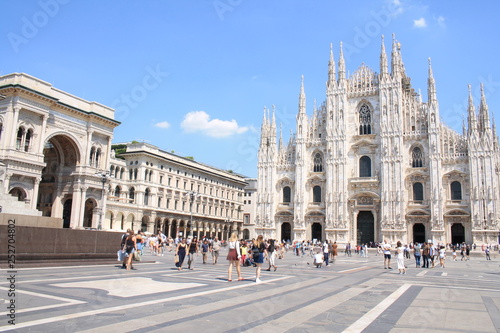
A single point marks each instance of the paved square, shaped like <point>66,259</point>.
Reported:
<point>352,295</point>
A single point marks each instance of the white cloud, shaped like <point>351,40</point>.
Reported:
<point>420,23</point>
<point>199,121</point>
<point>397,7</point>
<point>162,124</point>
<point>440,21</point>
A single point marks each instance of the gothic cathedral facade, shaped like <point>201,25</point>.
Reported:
<point>375,162</point>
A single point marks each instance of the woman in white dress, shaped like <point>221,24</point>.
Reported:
<point>400,251</point>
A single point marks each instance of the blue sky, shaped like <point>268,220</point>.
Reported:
<point>193,77</point>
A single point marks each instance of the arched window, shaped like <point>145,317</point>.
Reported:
<point>418,192</point>
<point>417,158</point>
<point>19,140</point>
<point>27,140</point>
<point>318,163</point>
<point>131,194</point>
<point>365,167</point>
<point>92,153</point>
<point>456,191</point>
<point>131,174</point>
<point>365,120</point>
<point>118,191</point>
<point>287,194</point>
<point>146,196</point>
<point>97,157</point>
<point>317,194</point>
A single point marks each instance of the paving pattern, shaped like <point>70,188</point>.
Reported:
<point>353,295</point>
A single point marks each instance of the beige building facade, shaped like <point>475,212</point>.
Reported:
<point>56,157</point>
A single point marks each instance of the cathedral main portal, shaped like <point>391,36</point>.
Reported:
<point>365,227</point>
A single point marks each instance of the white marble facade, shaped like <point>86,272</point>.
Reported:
<point>375,162</point>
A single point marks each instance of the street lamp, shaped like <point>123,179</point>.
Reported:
<point>191,195</point>
<point>104,175</point>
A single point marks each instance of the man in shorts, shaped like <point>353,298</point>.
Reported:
<point>386,248</point>
<point>215,250</point>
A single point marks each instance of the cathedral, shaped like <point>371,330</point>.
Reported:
<point>374,162</point>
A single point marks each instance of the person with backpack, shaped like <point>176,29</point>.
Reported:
<point>130,246</point>
<point>271,254</point>
<point>258,252</point>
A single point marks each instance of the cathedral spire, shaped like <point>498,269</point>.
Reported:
<point>384,69</point>
<point>273,123</point>
<point>431,86</point>
<point>394,56</point>
<point>341,64</point>
<point>331,69</point>
<point>302,98</point>
<point>471,113</point>
<point>484,116</point>
<point>281,137</point>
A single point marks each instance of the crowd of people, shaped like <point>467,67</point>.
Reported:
<point>256,251</point>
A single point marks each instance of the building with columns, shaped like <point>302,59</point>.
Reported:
<point>154,190</point>
<point>374,162</point>
<point>56,156</point>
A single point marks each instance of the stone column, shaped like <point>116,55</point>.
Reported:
<point>75,207</point>
<point>40,142</point>
<point>81,209</point>
<point>36,187</point>
<point>12,131</point>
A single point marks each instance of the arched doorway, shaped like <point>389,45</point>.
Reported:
<point>365,227</point>
<point>144,223</point>
<point>286,231</point>
<point>246,234</point>
<point>457,233</point>
<point>89,212</point>
<point>316,231</point>
<point>67,213</point>
<point>19,193</point>
<point>173,229</point>
<point>418,233</point>
<point>119,222</point>
<point>61,155</point>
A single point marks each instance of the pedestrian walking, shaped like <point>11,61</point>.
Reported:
<point>386,248</point>
<point>271,255</point>
<point>234,256</point>
<point>215,248</point>
<point>204,250</point>
<point>442,256</point>
<point>417,254</point>
<point>193,251</point>
<point>130,248</point>
<point>487,252</point>
<point>400,251</point>
<point>425,255</point>
<point>326,252</point>
<point>258,251</point>
<point>180,252</point>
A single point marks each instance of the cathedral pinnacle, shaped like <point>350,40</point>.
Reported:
<point>302,97</point>
<point>471,113</point>
<point>341,64</point>
<point>483,112</point>
<point>431,86</point>
<point>331,69</point>
<point>384,69</point>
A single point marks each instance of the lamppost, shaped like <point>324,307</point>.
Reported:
<point>191,195</point>
<point>104,175</point>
